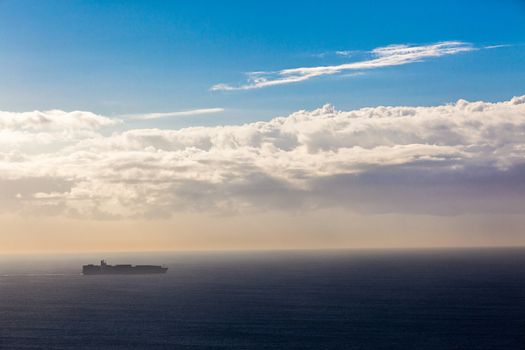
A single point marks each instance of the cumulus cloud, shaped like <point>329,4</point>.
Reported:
<point>37,128</point>
<point>448,159</point>
<point>53,120</point>
<point>393,55</point>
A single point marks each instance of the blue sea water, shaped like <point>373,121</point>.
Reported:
<point>428,299</point>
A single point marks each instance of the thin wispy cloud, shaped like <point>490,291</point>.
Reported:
<point>345,53</point>
<point>192,112</point>
<point>393,55</point>
<point>497,46</point>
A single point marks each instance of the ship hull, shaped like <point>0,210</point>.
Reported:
<point>122,270</point>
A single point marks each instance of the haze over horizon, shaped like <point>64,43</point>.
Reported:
<point>123,129</point>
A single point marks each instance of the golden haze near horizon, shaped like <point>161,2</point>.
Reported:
<point>328,229</point>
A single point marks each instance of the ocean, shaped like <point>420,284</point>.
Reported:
<point>373,299</point>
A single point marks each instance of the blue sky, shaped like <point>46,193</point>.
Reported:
<point>118,58</point>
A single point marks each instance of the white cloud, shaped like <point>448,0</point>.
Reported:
<point>32,130</point>
<point>187,113</point>
<point>53,120</point>
<point>394,55</point>
<point>448,159</point>
<point>345,53</point>
<point>497,46</point>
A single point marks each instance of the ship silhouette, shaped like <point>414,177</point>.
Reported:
<point>105,269</point>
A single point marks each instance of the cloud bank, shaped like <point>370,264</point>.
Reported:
<point>465,157</point>
<point>393,55</point>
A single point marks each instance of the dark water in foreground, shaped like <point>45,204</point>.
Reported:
<point>461,299</point>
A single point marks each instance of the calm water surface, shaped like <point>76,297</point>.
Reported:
<point>457,299</point>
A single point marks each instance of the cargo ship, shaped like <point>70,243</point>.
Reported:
<point>105,269</point>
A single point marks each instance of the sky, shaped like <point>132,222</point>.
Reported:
<point>157,125</point>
